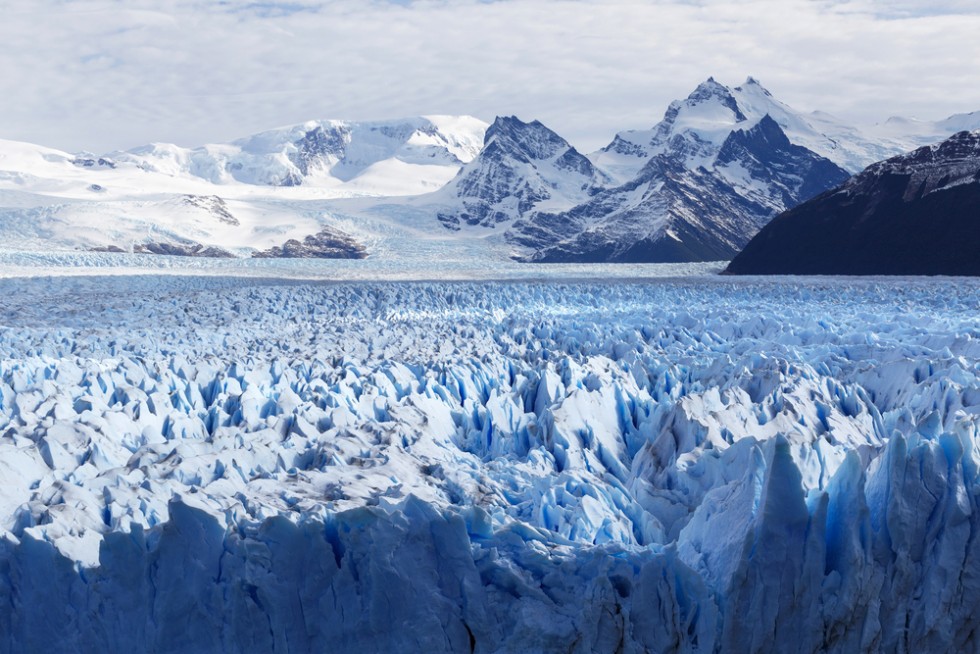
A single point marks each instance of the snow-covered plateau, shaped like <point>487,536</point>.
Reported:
<point>691,463</point>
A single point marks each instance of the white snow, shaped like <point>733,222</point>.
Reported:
<point>128,198</point>
<point>382,182</point>
<point>707,121</point>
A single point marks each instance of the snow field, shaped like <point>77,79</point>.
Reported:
<point>230,464</point>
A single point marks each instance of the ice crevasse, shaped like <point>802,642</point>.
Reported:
<point>680,466</point>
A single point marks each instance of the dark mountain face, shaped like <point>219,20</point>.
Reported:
<point>794,173</point>
<point>701,219</point>
<point>524,141</point>
<point>915,214</point>
<point>670,213</point>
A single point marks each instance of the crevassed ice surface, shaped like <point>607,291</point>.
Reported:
<point>702,464</point>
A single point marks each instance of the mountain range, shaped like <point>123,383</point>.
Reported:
<point>696,186</point>
<point>399,157</point>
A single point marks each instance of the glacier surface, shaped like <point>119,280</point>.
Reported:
<point>693,464</point>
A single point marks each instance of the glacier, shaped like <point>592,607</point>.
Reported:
<point>693,463</point>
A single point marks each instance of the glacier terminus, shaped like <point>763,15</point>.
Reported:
<point>691,463</point>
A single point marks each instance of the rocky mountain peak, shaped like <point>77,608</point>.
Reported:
<point>320,146</point>
<point>708,184</point>
<point>531,140</point>
<point>766,131</point>
<point>521,166</point>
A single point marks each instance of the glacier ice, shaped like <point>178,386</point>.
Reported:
<point>220,464</point>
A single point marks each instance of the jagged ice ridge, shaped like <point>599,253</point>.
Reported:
<point>688,465</point>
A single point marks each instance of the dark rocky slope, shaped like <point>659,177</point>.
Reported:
<point>914,214</point>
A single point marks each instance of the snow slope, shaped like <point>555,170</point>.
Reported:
<point>398,157</point>
<point>249,195</point>
<point>695,187</point>
<point>706,118</point>
<point>698,464</point>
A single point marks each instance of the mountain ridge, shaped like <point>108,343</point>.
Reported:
<point>521,167</point>
<point>694,186</point>
<point>710,174</point>
<point>913,214</point>
<point>324,152</point>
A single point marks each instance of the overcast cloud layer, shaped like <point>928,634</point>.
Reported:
<point>103,74</point>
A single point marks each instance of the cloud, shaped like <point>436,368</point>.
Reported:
<point>106,74</point>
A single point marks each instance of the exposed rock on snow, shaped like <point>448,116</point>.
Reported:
<point>214,205</point>
<point>695,187</point>
<point>325,244</point>
<point>171,249</point>
<point>700,184</point>
<point>181,250</point>
<point>428,149</point>
<point>521,168</point>
<point>254,194</point>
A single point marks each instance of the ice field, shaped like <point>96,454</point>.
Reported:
<point>690,462</point>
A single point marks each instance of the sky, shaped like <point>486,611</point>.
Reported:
<point>101,75</point>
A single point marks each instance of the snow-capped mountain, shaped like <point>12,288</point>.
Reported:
<point>701,183</point>
<point>697,186</point>
<point>400,157</point>
<point>698,125</point>
<point>709,175</point>
<point>522,167</point>
<point>913,214</point>
<point>901,135</point>
<point>257,194</point>
<point>672,213</point>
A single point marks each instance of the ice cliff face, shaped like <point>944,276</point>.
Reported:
<point>691,465</point>
<point>912,214</point>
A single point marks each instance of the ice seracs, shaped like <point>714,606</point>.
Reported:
<point>279,463</point>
